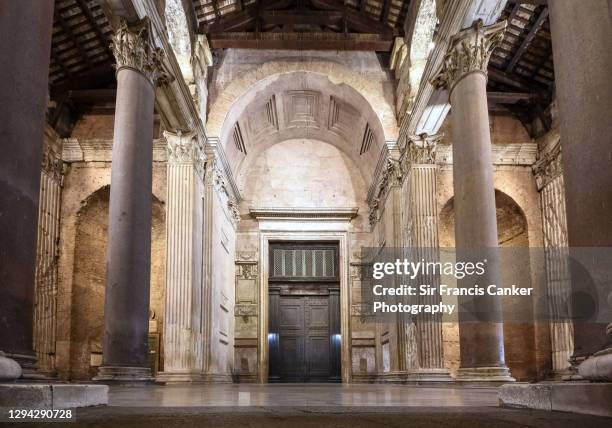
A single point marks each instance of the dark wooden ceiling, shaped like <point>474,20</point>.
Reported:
<point>80,45</point>
<point>521,79</point>
<point>523,65</point>
<point>302,24</point>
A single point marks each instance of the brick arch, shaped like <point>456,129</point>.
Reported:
<point>338,74</point>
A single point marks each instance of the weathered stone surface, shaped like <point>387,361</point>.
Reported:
<point>70,395</point>
<point>526,395</point>
<point>586,398</point>
<point>22,395</point>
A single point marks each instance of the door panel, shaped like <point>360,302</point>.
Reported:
<point>304,347</point>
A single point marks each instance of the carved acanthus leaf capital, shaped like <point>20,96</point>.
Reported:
<point>421,150</point>
<point>469,51</point>
<point>548,167</point>
<point>134,48</point>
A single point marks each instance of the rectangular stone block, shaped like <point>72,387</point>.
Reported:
<point>26,396</point>
<point>68,395</point>
<point>576,397</point>
<point>531,396</point>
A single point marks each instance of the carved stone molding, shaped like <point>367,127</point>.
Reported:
<point>215,176</point>
<point>548,167</point>
<point>468,52</point>
<point>246,270</point>
<point>390,176</point>
<point>245,310</point>
<point>343,213</point>
<point>134,48</point>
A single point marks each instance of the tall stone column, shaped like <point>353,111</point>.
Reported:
<point>25,46</point>
<point>126,307</point>
<point>464,75</point>
<point>419,165</point>
<point>183,327</point>
<point>581,37</point>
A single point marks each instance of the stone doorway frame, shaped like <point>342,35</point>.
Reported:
<point>339,236</point>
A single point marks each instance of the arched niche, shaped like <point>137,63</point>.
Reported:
<point>89,279</point>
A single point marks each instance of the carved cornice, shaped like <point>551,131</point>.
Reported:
<point>391,176</point>
<point>548,167</point>
<point>469,52</point>
<point>134,48</point>
<point>304,213</point>
<point>216,178</point>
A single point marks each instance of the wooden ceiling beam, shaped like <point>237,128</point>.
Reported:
<point>511,97</point>
<point>528,39</point>
<point>92,21</point>
<point>306,17</point>
<point>74,40</point>
<point>385,11</point>
<point>301,41</point>
<point>532,2</point>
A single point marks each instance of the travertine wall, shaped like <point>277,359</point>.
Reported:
<point>82,257</point>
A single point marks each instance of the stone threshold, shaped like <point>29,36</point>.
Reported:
<point>576,397</point>
<point>52,395</point>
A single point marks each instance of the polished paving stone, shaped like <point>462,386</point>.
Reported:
<point>275,395</point>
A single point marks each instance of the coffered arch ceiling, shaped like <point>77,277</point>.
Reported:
<point>302,105</point>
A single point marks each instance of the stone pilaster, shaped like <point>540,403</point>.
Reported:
<point>419,166</point>
<point>464,75</point>
<point>549,178</point>
<point>182,329</point>
<point>126,308</point>
<point>25,43</point>
<point>47,252</point>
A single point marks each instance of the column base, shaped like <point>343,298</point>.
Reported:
<point>9,368</point>
<point>424,376</point>
<point>122,374</point>
<point>178,377</point>
<point>598,367</point>
<point>485,375</point>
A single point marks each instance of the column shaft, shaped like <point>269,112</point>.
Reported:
<point>25,45</point>
<point>183,326</point>
<point>126,306</point>
<point>582,40</point>
<point>481,334</point>
<point>421,171</point>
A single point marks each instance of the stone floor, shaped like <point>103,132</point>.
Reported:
<point>316,406</point>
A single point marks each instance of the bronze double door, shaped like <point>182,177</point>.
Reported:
<point>304,346</point>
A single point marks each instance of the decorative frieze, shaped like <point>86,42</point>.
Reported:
<point>469,52</point>
<point>134,48</point>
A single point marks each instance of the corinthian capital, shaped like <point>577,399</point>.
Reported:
<point>134,48</point>
<point>421,149</point>
<point>468,52</point>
